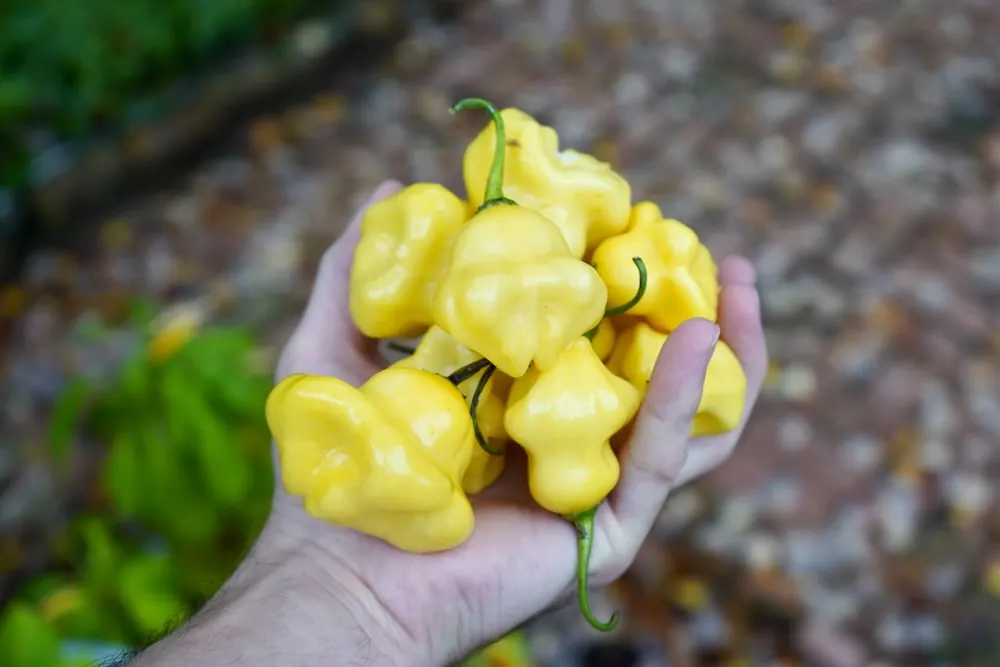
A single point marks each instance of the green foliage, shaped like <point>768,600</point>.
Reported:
<point>63,423</point>
<point>69,67</point>
<point>186,481</point>
<point>26,640</point>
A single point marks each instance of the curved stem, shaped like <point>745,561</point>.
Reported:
<point>494,182</point>
<point>474,409</point>
<point>639,293</point>
<point>584,524</point>
<point>465,372</point>
<point>631,303</point>
<point>399,347</point>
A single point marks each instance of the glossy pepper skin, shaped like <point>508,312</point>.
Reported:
<point>441,354</point>
<point>604,339</point>
<point>513,290</point>
<point>583,196</point>
<point>723,397</point>
<point>404,243</point>
<point>386,459</point>
<point>682,276</point>
<point>564,418</point>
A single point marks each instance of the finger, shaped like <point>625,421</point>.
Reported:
<point>737,270</point>
<point>739,320</point>
<point>658,447</point>
<point>326,325</point>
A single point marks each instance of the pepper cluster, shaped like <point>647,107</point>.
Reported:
<point>543,302</point>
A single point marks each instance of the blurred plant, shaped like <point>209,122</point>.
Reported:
<point>184,489</point>
<point>68,68</point>
<point>509,651</point>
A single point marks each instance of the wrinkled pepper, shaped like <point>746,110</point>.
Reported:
<point>440,353</point>
<point>386,459</point>
<point>564,418</point>
<point>683,278</point>
<point>586,199</point>
<point>723,397</point>
<point>513,290</point>
<point>404,243</point>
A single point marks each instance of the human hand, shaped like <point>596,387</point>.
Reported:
<point>434,608</point>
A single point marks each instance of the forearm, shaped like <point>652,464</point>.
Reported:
<point>278,614</point>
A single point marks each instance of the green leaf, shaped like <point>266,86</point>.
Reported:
<point>246,396</point>
<point>123,474</point>
<point>149,593</point>
<point>178,392</point>
<point>26,640</point>
<point>38,587</point>
<point>65,417</point>
<point>141,312</point>
<point>136,381</point>
<point>224,463</point>
<point>175,504</point>
<point>100,557</point>
<point>91,618</point>
<point>15,99</point>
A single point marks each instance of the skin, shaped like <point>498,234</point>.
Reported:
<point>310,593</point>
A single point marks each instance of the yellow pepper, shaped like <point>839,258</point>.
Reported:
<point>683,279</point>
<point>604,339</point>
<point>724,394</point>
<point>564,419</point>
<point>440,353</point>
<point>513,291</point>
<point>386,459</point>
<point>583,196</point>
<point>404,245</point>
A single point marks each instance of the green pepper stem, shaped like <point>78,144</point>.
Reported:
<point>584,524</point>
<point>399,347</point>
<point>631,303</point>
<point>639,293</point>
<point>474,410</point>
<point>465,372</point>
<point>494,182</point>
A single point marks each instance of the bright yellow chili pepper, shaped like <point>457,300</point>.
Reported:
<point>386,459</point>
<point>440,353</point>
<point>583,196</point>
<point>564,418</point>
<point>724,394</point>
<point>683,279</point>
<point>604,339</point>
<point>404,244</point>
<point>513,291</point>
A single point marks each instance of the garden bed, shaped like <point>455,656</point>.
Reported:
<point>84,134</point>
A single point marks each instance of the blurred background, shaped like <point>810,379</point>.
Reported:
<point>170,173</point>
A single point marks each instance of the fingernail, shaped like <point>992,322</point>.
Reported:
<point>715,337</point>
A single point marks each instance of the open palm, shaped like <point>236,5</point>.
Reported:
<point>520,559</point>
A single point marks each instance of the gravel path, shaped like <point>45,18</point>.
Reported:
<point>850,148</point>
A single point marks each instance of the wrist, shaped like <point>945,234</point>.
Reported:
<point>282,607</point>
